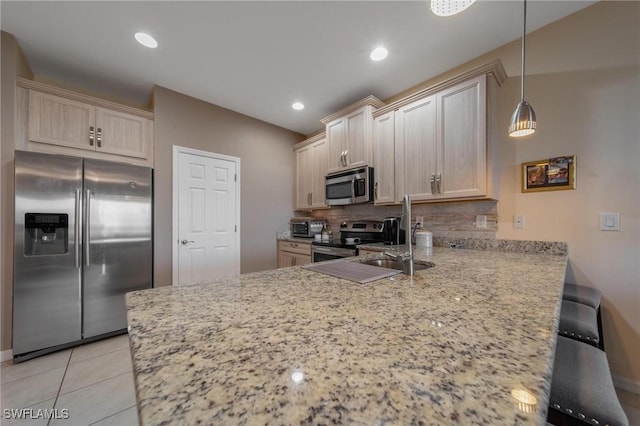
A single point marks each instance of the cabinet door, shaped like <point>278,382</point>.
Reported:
<point>319,167</point>
<point>303,178</point>
<point>417,149</point>
<point>356,145</point>
<point>60,121</point>
<point>286,258</point>
<point>383,158</point>
<point>462,134</point>
<point>122,134</point>
<point>336,132</point>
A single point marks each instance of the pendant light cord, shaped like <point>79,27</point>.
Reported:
<point>524,34</point>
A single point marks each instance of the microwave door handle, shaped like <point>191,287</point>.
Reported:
<point>354,182</point>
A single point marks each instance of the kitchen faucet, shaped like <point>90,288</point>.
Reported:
<point>405,224</point>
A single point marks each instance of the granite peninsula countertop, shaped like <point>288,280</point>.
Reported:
<point>452,345</point>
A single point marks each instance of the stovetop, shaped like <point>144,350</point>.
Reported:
<point>368,231</point>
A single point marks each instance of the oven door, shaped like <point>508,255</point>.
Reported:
<point>321,253</point>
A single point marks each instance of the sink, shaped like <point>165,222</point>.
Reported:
<point>397,264</point>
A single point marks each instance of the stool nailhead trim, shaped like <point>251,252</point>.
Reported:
<point>579,415</point>
<point>568,333</point>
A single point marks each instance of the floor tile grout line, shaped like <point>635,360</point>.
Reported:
<point>95,383</point>
<point>32,374</point>
<point>111,415</point>
<point>61,382</point>
<point>101,354</point>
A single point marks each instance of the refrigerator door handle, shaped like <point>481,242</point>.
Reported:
<point>87,206</point>
<point>76,230</point>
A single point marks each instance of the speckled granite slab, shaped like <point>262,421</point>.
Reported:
<point>451,345</point>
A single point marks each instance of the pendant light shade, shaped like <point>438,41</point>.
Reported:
<point>449,7</point>
<point>523,120</point>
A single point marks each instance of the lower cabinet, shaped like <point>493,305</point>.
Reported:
<point>293,253</point>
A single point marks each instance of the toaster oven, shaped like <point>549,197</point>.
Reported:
<point>306,228</point>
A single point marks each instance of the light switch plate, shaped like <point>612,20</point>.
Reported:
<point>610,221</point>
<point>481,221</point>
<point>518,222</point>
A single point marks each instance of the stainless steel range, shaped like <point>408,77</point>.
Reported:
<point>352,234</point>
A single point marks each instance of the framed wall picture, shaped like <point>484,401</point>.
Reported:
<point>549,175</point>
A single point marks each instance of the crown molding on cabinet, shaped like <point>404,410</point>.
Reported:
<point>369,100</point>
<point>493,68</point>
<point>310,140</point>
<point>69,94</point>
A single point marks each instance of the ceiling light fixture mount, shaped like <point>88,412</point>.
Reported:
<point>378,54</point>
<point>523,120</point>
<point>449,7</point>
<point>146,40</point>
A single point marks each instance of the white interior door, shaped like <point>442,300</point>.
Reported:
<point>207,243</point>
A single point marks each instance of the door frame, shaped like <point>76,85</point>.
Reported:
<point>177,150</point>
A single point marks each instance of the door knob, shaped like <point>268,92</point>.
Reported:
<point>185,242</point>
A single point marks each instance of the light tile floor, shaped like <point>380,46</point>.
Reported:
<point>87,385</point>
<point>94,383</point>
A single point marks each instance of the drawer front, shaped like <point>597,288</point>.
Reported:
<point>295,247</point>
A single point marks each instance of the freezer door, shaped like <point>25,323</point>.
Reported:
<point>46,278</point>
<point>117,250</point>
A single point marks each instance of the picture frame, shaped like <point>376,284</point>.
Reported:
<point>558,173</point>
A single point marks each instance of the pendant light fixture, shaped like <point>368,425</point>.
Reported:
<point>523,120</point>
<point>449,7</point>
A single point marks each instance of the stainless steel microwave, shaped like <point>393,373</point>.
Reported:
<point>353,186</point>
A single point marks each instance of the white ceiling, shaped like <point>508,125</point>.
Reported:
<point>258,57</point>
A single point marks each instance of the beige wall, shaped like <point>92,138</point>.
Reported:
<point>583,80</point>
<point>267,173</point>
<point>12,64</point>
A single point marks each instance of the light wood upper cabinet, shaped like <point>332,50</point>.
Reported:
<point>462,137</point>
<point>311,168</point>
<point>60,121</point>
<point>444,140</point>
<point>350,135</point>
<point>120,133</point>
<point>441,144</point>
<point>417,149</point>
<point>383,158</point>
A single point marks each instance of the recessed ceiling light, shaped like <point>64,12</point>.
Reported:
<point>146,40</point>
<point>378,54</point>
<point>297,106</point>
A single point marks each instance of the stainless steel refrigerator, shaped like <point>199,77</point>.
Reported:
<point>83,238</point>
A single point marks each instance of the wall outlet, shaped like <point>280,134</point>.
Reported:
<point>481,221</point>
<point>518,222</point>
<point>420,221</point>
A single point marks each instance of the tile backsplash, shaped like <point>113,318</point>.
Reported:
<point>455,219</point>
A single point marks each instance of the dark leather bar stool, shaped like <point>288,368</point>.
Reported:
<point>587,296</point>
<point>582,390</point>
<point>581,294</point>
<point>580,322</point>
